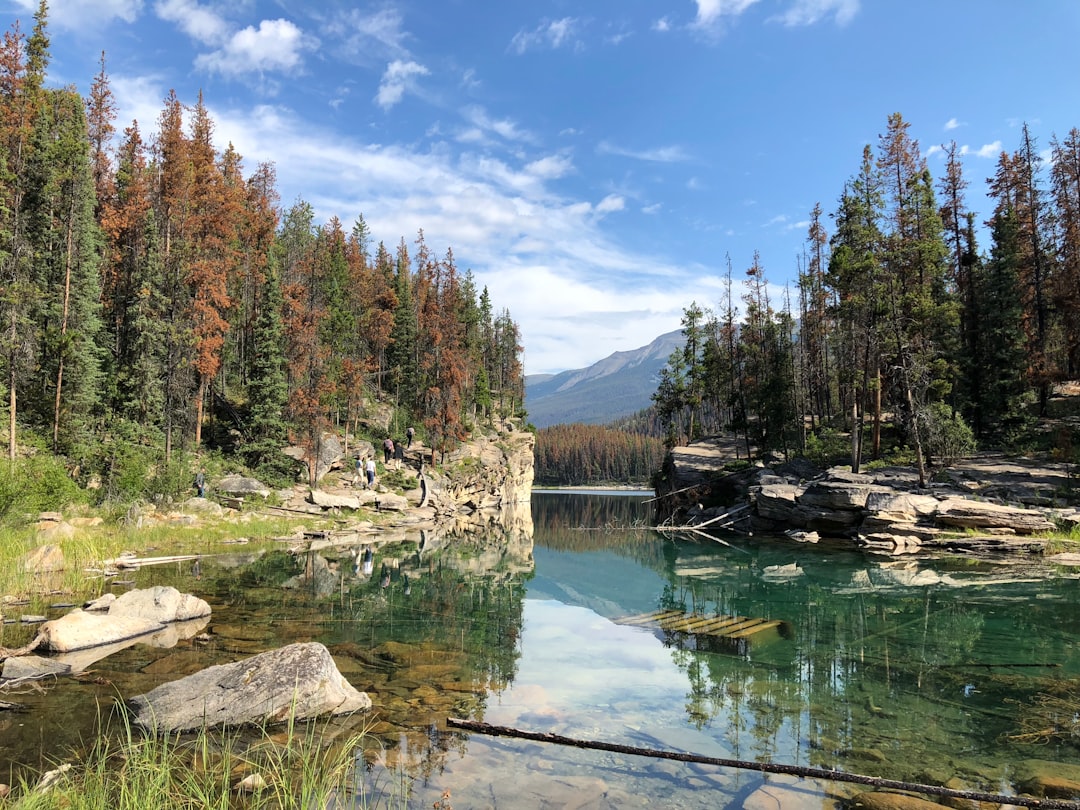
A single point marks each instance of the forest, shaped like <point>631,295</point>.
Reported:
<point>901,325</point>
<point>579,454</point>
<point>158,305</point>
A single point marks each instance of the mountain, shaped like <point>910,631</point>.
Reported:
<point>619,385</point>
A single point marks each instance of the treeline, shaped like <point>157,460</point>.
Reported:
<point>147,281</point>
<point>899,316</point>
<point>578,454</point>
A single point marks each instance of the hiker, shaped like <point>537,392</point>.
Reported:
<point>200,483</point>
<point>388,450</point>
<point>369,468</point>
<point>409,437</point>
<point>399,455</point>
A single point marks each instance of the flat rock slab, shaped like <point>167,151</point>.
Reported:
<point>300,681</point>
<point>135,613</point>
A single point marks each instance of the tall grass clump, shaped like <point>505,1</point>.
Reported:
<point>288,769</point>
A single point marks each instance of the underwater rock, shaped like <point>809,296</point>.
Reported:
<point>297,682</point>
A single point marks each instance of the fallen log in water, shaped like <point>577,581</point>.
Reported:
<point>763,767</point>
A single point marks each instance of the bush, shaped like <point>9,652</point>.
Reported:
<point>948,436</point>
<point>33,485</point>
<point>825,447</point>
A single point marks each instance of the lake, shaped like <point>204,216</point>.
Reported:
<point>581,621</point>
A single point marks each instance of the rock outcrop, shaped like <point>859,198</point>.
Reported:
<point>883,509</point>
<point>297,682</point>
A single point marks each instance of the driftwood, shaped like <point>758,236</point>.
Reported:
<point>764,767</point>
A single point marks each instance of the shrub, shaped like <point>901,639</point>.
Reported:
<point>36,484</point>
<point>948,436</point>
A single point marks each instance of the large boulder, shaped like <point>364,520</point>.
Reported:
<point>135,613</point>
<point>241,486</point>
<point>333,500</point>
<point>298,682</point>
<point>982,515</point>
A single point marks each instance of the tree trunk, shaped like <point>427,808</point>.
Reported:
<point>63,329</point>
<point>199,412</point>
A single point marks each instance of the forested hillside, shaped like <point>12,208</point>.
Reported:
<point>579,454</point>
<point>900,317</point>
<point>156,301</point>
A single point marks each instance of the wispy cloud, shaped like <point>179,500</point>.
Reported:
<point>952,124</point>
<point>398,77</point>
<point>549,34</point>
<point>990,150</point>
<point>369,39</point>
<point>77,14</point>
<point>482,124</point>
<point>663,154</point>
<point>711,11</point>
<point>202,24</point>
<point>551,167</point>
<point>811,12</point>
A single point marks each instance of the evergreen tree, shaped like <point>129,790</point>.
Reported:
<point>1003,394</point>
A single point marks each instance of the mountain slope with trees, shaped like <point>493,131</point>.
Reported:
<point>900,321</point>
<point>156,301</point>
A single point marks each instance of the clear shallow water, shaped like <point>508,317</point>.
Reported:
<point>913,670</point>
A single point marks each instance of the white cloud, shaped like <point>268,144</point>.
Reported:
<point>951,124</point>
<point>990,150</point>
<point>709,11</point>
<point>551,34</point>
<point>76,14</point>
<point>503,127</point>
<point>662,25</point>
<point>809,12</point>
<point>551,167</point>
<point>276,45</point>
<point>398,77</point>
<point>369,38</point>
<point>663,154</point>
<point>198,22</point>
<point>610,203</point>
<point>655,208</point>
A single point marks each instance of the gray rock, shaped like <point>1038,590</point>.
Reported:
<point>982,515</point>
<point>298,682</point>
<point>836,494</point>
<point>391,502</point>
<point>777,501</point>
<point>241,486</point>
<point>906,503</point>
<point>330,500</point>
<point>32,667</point>
<point>44,559</point>
<point>135,613</point>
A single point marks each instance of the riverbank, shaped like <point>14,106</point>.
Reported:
<point>990,503</point>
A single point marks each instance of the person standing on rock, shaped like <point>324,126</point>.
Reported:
<point>369,468</point>
<point>409,437</point>
<point>388,450</point>
<point>399,455</point>
<point>200,483</point>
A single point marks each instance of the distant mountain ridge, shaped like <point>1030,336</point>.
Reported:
<point>619,385</point>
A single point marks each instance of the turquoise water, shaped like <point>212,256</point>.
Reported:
<point>925,670</point>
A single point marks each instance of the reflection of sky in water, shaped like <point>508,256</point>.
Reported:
<point>581,675</point>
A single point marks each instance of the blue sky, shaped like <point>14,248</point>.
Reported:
<point>593,163</point>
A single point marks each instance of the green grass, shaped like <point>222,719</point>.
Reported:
<point>296,766</point>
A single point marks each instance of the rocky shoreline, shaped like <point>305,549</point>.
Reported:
<point>988,504</point>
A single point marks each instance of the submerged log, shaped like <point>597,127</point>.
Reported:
<point>762,767</point>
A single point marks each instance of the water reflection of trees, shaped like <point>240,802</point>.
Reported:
<point>583,523</point>
<point>873,679</point>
